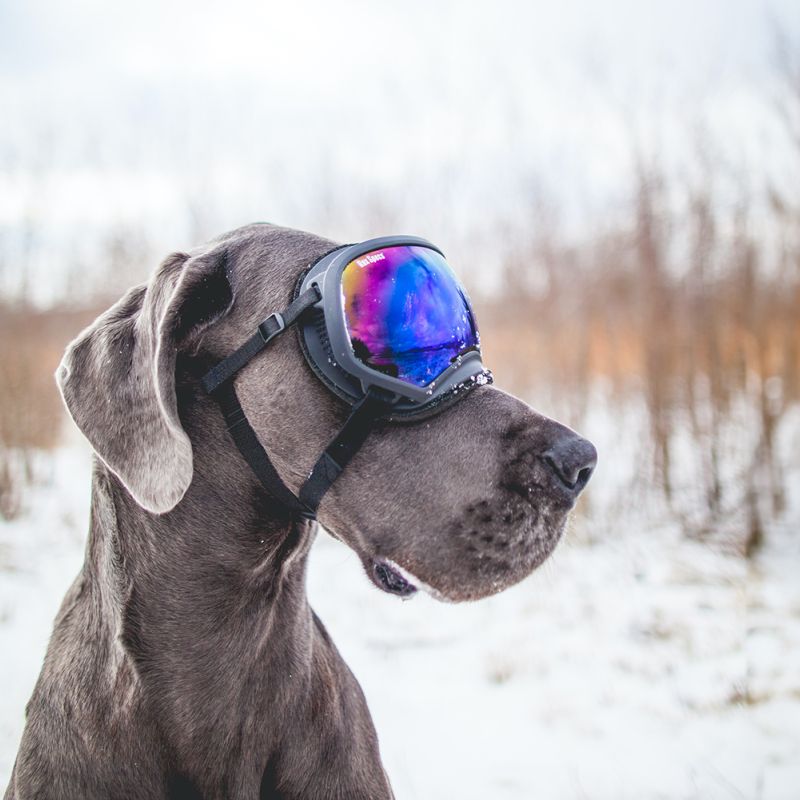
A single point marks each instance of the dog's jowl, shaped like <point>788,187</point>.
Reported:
<point>253,386</point>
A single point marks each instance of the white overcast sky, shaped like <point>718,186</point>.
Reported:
<point>247,109</point>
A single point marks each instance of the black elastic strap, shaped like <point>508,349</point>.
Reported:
<point>338,453</point>
<point>218,382</point>
<point>267,331</point>
<point>245,439</point>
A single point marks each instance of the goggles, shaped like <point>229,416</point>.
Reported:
<point>386,326</point>
<point>391,315</point>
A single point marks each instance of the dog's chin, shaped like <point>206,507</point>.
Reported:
<point>479,575</point>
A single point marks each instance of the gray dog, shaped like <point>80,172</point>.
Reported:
<point>185,661</point>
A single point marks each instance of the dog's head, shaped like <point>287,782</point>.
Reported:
<point>465,503</point>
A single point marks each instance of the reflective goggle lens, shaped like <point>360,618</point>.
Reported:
<point>406,313</point>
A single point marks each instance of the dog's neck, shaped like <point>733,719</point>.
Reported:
<point>209,599</point>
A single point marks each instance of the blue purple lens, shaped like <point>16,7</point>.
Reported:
<point>406,314</point>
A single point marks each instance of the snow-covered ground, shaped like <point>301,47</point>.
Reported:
<point>639,666</point>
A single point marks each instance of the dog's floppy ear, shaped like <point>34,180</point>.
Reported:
<point>118,377</point>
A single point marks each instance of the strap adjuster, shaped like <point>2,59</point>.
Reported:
<point>271,327</point>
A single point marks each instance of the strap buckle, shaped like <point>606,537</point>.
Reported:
<point>271,327</point>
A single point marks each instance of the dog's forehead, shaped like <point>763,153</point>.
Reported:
<point>269,258</point>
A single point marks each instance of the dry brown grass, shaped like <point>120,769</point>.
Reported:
<point>31,345</point>
<point>696,333</point>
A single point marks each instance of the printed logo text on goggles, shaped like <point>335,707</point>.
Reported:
<point>387,326</point>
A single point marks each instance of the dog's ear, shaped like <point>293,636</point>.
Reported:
<point>118,377</point>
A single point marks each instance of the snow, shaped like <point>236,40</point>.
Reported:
<point>634,664</point>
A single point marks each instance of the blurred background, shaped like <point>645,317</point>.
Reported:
<point>617,183</point>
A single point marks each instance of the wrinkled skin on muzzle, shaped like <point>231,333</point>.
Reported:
<point>462,502</point>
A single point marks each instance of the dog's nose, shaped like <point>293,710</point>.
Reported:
<point>573,459</point>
